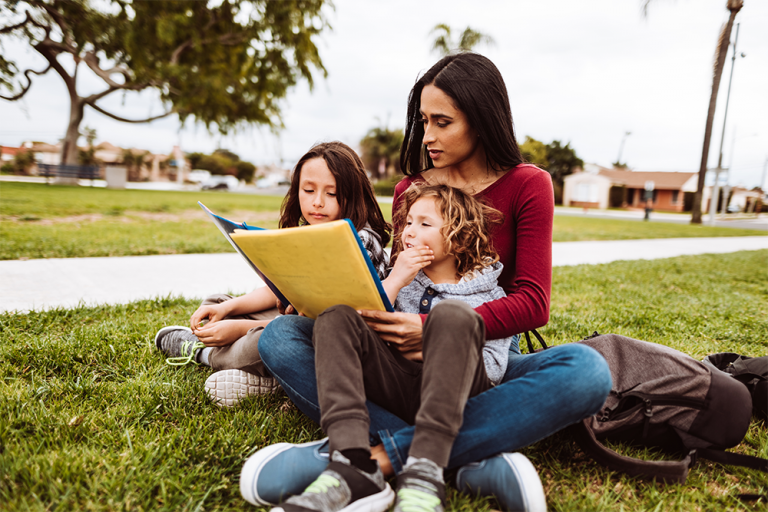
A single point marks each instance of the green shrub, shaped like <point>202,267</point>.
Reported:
<point>387,187</point>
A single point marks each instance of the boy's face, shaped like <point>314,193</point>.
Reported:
<point>423,226</point>
<point>317,192</point>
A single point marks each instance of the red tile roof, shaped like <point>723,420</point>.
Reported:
<point>634,179</point>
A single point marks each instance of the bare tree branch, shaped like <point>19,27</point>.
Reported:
<point>11,28</point>
<point>58,18</point>
<point>118,118</point>
<point>92,60</point>
<point>29,83</point>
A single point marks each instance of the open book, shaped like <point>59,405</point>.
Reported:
<point>311,267</point>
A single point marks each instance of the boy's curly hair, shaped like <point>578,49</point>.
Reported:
<point>466,225</point>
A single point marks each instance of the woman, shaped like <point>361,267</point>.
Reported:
<point>459,132</point>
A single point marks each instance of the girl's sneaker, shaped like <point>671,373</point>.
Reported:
<point>509,477</point>
<point>227,387</point>
<point>342,488</point>
<point>179,344</point>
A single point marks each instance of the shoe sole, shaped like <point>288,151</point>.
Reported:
<point>530,483</point>
<point>249,475</point>
<point>166,330</point>
<point>227,387</point>
<point>379,502</point>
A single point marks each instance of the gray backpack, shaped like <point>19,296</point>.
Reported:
<point>664,398</point>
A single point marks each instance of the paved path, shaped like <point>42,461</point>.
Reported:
<point>47,283</point>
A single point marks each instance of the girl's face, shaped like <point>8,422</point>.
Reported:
<point>447,134</point>
<point>423,226</point>
<point>317,192</point>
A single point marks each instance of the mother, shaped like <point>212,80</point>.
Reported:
<point>459,132</point>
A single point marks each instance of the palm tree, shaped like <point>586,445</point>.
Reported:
<point>722,49</point>
<point>469,38</point>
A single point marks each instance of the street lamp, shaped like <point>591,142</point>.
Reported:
<point>621,147</point>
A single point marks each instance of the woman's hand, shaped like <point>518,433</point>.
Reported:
<point>212,312</point>
<point>402,330</point>
<point>222,333</point>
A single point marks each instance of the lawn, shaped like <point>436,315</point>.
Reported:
<point>92,419</point>
<point>40,221</point>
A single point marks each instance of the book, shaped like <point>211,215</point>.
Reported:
<point>311,267</point>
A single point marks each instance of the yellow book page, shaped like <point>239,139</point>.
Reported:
<point>315,267</point>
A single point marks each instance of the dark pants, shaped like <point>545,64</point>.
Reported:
<point>243,354</point>
<point>352,363</point>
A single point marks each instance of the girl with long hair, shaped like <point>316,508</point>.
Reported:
<point>328,183</point>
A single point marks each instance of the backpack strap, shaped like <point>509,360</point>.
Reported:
<point>544,345</point>
<point>666,471</point>
<point>733,459</point>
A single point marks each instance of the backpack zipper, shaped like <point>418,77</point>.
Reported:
<point>648,402</point>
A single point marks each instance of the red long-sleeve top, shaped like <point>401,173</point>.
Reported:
<point>524,245</point>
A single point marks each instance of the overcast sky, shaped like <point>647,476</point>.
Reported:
<point>583,72</point>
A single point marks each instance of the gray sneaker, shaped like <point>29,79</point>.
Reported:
<point>179,344</point>
<point>227,387</point>
<point>420,488</point>
<point>342,488</point>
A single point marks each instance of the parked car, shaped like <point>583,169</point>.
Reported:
<point>198,175</point>
<point>217,182</point>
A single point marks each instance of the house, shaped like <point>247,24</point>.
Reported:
<point>602,188</point>
<point>7,153</point>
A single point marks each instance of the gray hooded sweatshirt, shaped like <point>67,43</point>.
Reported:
<point>475,289</point>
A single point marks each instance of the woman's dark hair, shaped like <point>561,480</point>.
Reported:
<point>354,192</point>
<point>477,89</point>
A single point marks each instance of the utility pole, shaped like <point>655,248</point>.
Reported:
<point>716,186</point>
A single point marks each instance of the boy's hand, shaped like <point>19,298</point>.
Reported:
<point>409,262</point>
<point>212,312</point>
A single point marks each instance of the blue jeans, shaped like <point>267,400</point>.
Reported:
<point>540,394</point>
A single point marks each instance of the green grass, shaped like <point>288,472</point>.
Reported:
<point>91,418</point>
<point>40,221</point>
<point>572,229</point>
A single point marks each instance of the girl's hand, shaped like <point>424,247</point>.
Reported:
<point>403,330</point>
<point>408,264</point>
<point>212,312</point>
<point>221,333</point>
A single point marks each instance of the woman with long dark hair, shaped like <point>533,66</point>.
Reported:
<point>459,132</point>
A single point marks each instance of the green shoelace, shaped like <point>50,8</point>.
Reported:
<point>322,484</point>
<point>412,500</point>
<point>188,349</point>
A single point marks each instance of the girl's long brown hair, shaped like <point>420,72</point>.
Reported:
<point>466,225</point>
<point>354,192</point>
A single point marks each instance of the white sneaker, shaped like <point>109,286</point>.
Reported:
<point>227,387</point>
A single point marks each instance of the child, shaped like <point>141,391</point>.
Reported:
<point>442,253</point>
<point>328,183</point>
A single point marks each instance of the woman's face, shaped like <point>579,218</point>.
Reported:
<point>317,192</point>
<point>447,134</point>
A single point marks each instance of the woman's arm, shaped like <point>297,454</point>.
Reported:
<point>527,276</point>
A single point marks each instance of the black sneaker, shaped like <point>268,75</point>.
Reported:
<point>179,344</point>
<point>342,488</point>
<point>418,490</point>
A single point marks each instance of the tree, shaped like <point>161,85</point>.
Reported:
<point>444,43</point>
<point>381,151</point>
<point>87,157</point>
<point>554,158</point>
<point>535,152</point>
<point>734,6</point>
<point>222,65</point>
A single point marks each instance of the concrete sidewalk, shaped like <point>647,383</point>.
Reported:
<point>49,283</point>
